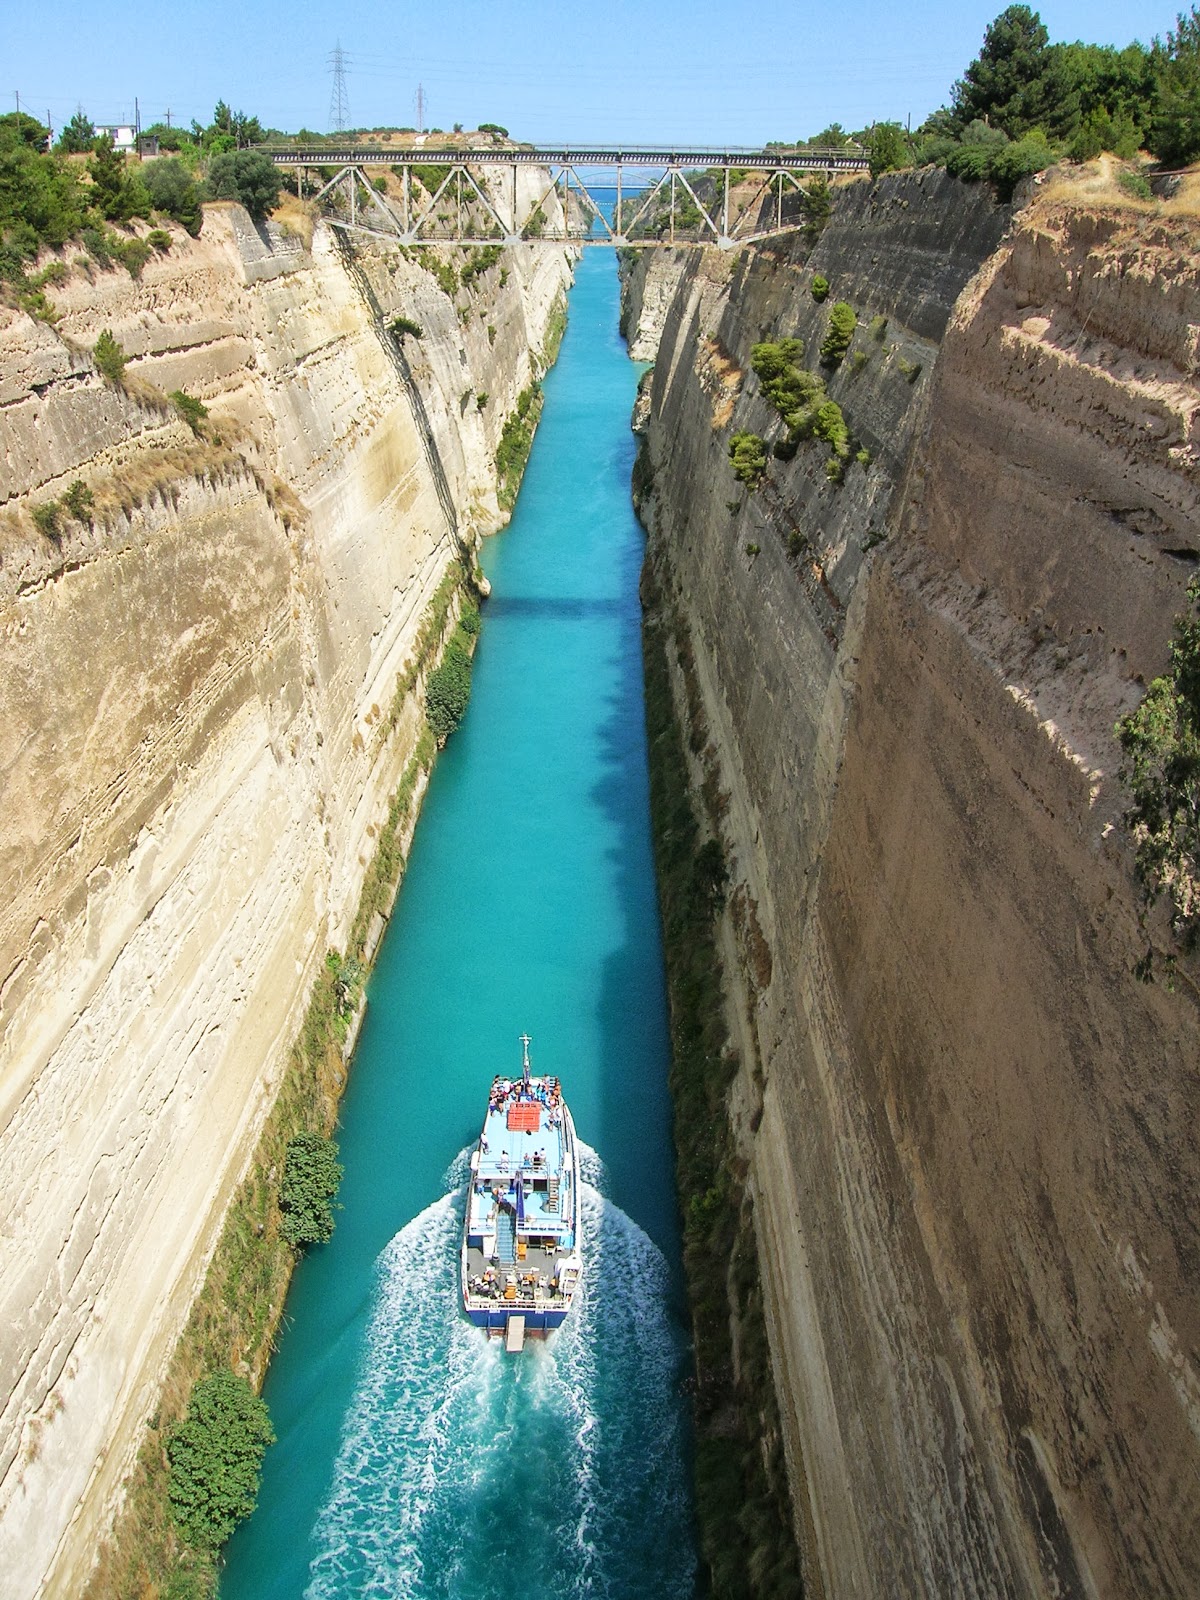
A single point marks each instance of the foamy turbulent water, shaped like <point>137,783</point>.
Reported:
<point>463,1471</point>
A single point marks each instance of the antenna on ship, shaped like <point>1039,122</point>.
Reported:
<point>525,1042</point>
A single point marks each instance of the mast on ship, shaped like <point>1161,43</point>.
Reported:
<point>525,1043</point>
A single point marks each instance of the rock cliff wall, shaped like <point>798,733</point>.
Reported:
<point>969,1129</point>
<point>199,733</point>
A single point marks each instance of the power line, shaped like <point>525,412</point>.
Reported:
<point>421,107</point>
<point>339,100</point>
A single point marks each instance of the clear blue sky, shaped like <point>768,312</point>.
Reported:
<point>735,74</point>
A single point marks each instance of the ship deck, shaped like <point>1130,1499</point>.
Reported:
<point>524,1162</point>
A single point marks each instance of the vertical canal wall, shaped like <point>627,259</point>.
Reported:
<point>206,701</point>
<point>966,1127</point>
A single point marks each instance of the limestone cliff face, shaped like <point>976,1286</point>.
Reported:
<point>198,738</point>
<point>970,1129</point>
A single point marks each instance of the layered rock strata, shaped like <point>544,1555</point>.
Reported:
<point>199,732</point>
<point>970,1129</point>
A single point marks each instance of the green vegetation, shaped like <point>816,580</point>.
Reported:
<point>556,327</point>
<point>75,504</point>
<point>47,518</point>
<point>246,176</point>
<point>1175,121</point>
<point>742,1499</point>
<point>1024,103</point>
<point>405,326</point>
<point>108,357</point>
<point>192,411</point>
<point>47,200</point>
<point>1160,742</point>
<point>494,128</point>
<point>430,175</point>
<point>842,323</point>
<point>480,260</point>
<point>216,1457</point>
<point>172,189</point>
<point>78,501</point>
<point>820,288</point>
<point>887,148</point>
<point>449,688</point>
<point>445,274</point>
<point>481,400</point>
<point>785,383</point>
<point>516,441</point>
<point>749,456</point>
<point>817,203</point>
<point>311,1175</point>
<point>78,136</point>
<point>799,397</point>
<point>1135,185</point>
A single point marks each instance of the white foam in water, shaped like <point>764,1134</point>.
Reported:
<point>464,1472</point>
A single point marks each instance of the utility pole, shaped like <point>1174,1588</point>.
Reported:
<point>168,116</point>
<point>339,101</point>
<point>137,128</point>
<point>420,108</point>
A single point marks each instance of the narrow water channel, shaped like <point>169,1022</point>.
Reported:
<point>415,1459</point>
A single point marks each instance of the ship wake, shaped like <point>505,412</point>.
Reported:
<point>464,1472</point>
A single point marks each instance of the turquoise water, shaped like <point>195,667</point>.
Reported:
<point>415,1459</point>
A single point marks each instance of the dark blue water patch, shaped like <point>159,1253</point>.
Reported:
<point>414,1458</point>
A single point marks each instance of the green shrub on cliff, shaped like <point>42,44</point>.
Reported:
<point>516,441</point>
<point>842,323</point>
<point>108,357</point>
<point>1160,742</point>
<point>749,456</point>
<point>311,1175</point>
<point>449,689</point>
<point>215,1458</point>
<point>785,383</point>
<point>820,288</point>
<point>192,411</point>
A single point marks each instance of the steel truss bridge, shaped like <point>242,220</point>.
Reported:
<point>608,195</point>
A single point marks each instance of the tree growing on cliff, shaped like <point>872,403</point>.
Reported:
<point>749,456</point>
<point>215,1458</point>
<point>311,1175</point>
<point>1160,742</point>
<point>248,177</point>
<point>842,323</point>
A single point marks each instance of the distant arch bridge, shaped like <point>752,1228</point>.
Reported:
<point>609,195</point>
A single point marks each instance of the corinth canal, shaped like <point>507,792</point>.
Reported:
<point>415,1458</point>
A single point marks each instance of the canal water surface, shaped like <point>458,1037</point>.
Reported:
<point>414,1458</point>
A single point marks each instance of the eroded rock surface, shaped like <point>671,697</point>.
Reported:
<point>970,1130</point>
<point>198,738</point>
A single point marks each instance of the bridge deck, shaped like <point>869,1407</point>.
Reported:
<point>566,155</point>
